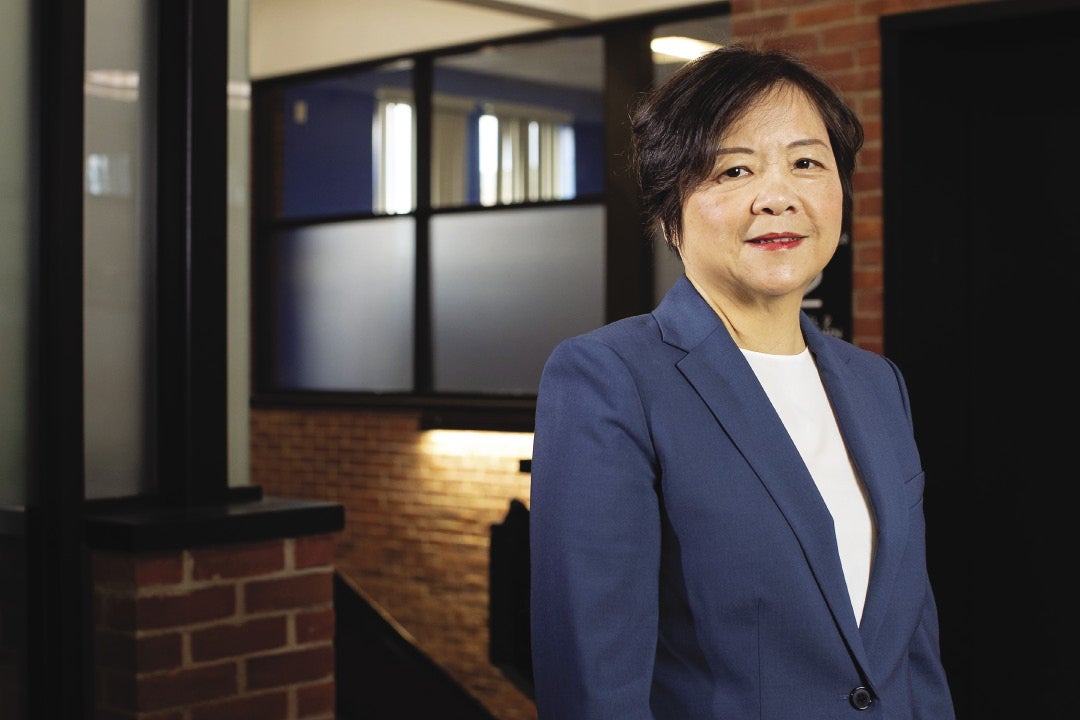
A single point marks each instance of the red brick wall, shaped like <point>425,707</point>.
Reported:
<point>417,520</point>
<point>220,632</point>
<point>418,516</point>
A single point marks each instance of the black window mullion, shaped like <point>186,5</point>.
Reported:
<point>423,349</point>
<point>57,635</point>
<point>629,262</point>
<point>266,140</point>
<point>191,252</point>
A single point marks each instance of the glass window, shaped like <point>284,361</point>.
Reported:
<point>519,123</point>
<point>118,269</point>
<point>344,308</point>
<point>506,287</point>
<point>505,254</point>
<point>347,144</point>
<point>17,182</point>
<point>239,253</point>
<point>395,146</point>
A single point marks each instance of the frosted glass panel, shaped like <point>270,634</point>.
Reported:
<point>506,287</point>
<point>344,319</point>
<point>239,238</point>
<point>119,213</point>
<point>17,179</point>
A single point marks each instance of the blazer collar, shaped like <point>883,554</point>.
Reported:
<point>719,372</point>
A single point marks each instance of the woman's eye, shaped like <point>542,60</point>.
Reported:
<point>806,164</point>
<point>735,172</point>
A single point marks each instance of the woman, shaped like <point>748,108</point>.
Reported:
<point>726,507</point>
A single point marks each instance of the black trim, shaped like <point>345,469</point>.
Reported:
<point>477,419</point>
<point>505,413</point>
<point>423,347</point>
<point>265,202</point>
<point>163,528</point>
<point>59,684</point>
<point>960,15</point>
<point>628,72</point>
<point>12,521</point>
<point>191,422</point>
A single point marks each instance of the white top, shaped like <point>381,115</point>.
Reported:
<point>794,386</point>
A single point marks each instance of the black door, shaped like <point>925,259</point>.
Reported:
<point>982,250</point>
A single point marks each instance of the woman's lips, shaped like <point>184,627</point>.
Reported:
<point>777,241</point>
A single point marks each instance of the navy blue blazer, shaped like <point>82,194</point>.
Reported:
<point>683,563</point>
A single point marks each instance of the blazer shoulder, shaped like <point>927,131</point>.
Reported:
<point>620,335</point>
<point>844,363</point>
<point>845,350</point>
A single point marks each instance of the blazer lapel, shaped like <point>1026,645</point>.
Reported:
<point>720,374</point>
<point>868,437</point>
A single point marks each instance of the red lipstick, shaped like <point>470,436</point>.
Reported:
<point>777,241</point>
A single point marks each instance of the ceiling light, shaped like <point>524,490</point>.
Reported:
<point>680,48</point>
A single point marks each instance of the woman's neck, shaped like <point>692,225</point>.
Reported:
<point>769,325</point>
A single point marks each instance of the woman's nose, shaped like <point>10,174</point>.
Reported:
<point>774,197</point>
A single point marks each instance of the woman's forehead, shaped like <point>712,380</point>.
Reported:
<point>781,106</point>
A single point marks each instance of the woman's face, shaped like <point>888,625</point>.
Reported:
<point>767,219</point>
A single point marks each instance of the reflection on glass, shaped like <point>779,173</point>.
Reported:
<point>347,144</point>
<point>344,315</point>
<point>518,123</point>
<point>239,238</point>
<point>506,286</point>
<point>17,180</point>
<point>118,261</point>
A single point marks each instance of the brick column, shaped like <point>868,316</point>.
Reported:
<point>232,631</point>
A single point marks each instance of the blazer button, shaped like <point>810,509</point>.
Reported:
<point>860,698</point>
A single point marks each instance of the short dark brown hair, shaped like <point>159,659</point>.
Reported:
<point>677,128</point>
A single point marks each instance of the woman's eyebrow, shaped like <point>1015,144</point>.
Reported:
<point>790,145</point>
<point>808,141</point>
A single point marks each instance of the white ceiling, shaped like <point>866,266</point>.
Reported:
<point>290,36</point>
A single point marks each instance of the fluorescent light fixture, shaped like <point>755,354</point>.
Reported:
<point>681,48</point>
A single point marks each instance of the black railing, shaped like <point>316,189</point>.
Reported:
<point>382,675</point>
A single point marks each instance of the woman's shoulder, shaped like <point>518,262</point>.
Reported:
<point>626,341</point>
<point>864,362</point>
<point>627,332</point>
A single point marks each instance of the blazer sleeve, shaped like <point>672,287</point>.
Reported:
<point>928,683</point>
<point>594,539</point>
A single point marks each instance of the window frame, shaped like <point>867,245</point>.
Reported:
<point>629,259</point>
